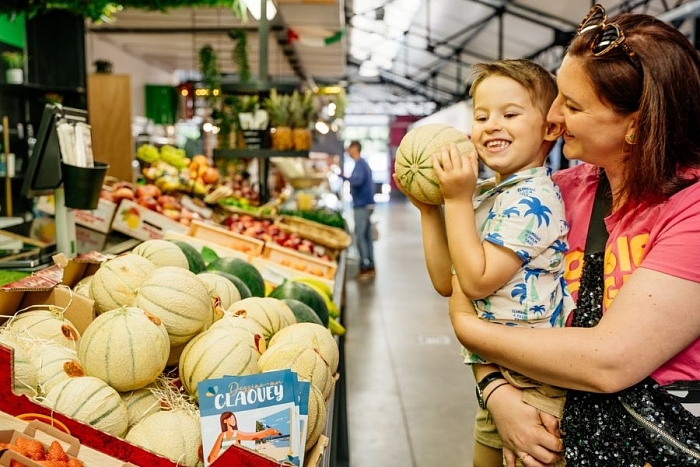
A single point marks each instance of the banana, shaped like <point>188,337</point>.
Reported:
<point>335,327</point>
<point>324,291</point>
<point>319,283</point>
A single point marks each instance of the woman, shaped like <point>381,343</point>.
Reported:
<point>629,103</point>
<point>230,434</point>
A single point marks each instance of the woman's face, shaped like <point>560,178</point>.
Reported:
<point>231,421</point>
<point>593,131</point>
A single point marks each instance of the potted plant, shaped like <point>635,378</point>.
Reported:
<point>15,66</point>
<point>103,66</point>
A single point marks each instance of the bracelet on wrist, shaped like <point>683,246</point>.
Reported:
<point>486,401</point>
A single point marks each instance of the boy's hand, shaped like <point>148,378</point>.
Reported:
<point>457,173</point>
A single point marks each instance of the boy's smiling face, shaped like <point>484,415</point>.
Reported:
<point>509,130</point>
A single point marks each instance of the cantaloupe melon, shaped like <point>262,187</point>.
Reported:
<point>140,404</point>
<point>174,434</point>
<point>53,364</point>
<point>303,360</point>
<point>83,286</point>
<point>313,335</point>
<point>92,401</point>
<point>270,313</point>
<point>162,253</point>
<point>223,288</point>
<point>318,413</point>
<point>45,325</point>
<point>116,281</point>
<point>216,353</point>
<point>414,164</point>
<point>25,379</point>
<point>194,258</point>
<point>126,347</point>
<point>240,321</point>
<point>180,299</point>
<point>243,270</point>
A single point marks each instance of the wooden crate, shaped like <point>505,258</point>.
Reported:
<point>220,235</point>
<point>299,261</point>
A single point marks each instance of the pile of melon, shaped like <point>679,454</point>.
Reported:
<point>166,320</point>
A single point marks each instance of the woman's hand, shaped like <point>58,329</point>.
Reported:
<point>525,431</point>
<point>457,173</point>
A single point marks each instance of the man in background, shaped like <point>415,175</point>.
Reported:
<point>362,190</point>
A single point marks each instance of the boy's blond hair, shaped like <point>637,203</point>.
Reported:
<point>539,82</point>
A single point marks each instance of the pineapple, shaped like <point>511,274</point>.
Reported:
<point>298,108</point>
<point>277,106</point>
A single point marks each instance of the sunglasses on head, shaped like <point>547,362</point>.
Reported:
<point>608,35</point>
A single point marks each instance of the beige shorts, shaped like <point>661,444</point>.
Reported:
<point>549,399</point>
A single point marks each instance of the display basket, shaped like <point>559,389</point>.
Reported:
<point>330,237</point>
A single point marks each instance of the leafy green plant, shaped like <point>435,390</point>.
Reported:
<point>13,59</point>
<point>239,54</point>
<point>98,9</point>
<point>209,66</point>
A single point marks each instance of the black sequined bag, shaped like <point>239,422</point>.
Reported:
<point>641,425</point>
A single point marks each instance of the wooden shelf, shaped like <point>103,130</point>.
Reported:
<point>249,153</point>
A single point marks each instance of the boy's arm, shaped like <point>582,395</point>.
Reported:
<point>435,251</point>
<point>482,268</point>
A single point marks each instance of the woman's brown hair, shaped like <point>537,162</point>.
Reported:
<point>664,92</point>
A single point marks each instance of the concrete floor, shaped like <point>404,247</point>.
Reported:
<point>410,400</point>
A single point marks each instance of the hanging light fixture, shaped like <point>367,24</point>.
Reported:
<point>255,7</point>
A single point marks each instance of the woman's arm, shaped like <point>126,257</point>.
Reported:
<point>216,448</point>
<point>653,317</point>
<point>521,427</point>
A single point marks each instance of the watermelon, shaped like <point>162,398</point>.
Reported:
<point>194,258</point>
<point>243,270</point>
<point>243,289</point>
<point>303,312</point>
<point>305,294</point>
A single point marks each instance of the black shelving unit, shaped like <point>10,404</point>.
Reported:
<point>263,157</point>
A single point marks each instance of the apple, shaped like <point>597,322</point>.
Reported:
<point>123,193</point>
<point>148,191</point>
<point>148,202</point>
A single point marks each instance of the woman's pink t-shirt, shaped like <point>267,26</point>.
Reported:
<point>663,237</point>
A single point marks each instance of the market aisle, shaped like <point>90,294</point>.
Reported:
<point>410,399</point>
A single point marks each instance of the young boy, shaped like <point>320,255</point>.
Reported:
<point>501,242</point>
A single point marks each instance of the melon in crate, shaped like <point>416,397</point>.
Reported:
<point>126,347</point>
<point>305,294</point>
<point>180,299</point>
<point>83,286</point>
<point>116,281</point>
<point>221,288</point>
<point>216,353</point>
<point>45,325</point>
<point>162,253</point>
<point>195,261</point>
<point>243,270</point>
<point>91,401</point>
<point>303,360</point>
<point>240,321</point>
<point>25,379</point>
<point>175,434</point>
<point>54,363</point>
<point>414,159</point>
<point>318,413</point>
<point>140,403</point>
<point>270,313</point>
<point>312,335</point>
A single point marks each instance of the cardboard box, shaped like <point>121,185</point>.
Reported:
<point>300,261</point>
<point>99,219</point>
<point>224,237</point>
<point>46,434</point>
<point>140,222</point>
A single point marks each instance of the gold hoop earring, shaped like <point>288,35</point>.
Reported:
<point>631,139</point>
